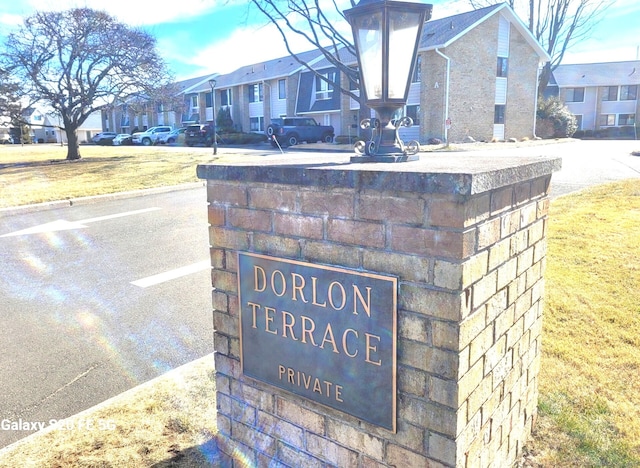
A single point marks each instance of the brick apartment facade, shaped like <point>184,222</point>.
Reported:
<point>477,70</point>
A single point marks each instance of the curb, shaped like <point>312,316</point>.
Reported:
<point>22,209</point>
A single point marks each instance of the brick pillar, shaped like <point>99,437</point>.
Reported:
<point>465,237</point>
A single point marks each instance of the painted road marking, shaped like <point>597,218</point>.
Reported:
<point>63,225</point>
<point>172,274</point>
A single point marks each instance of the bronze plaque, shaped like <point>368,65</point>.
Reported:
<point>324,333</point>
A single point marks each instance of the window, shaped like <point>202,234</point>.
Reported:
<point>225,97</point>
<point>610,93</point>
<point>256,124</point>
<point>417,73</point>
<point>628,92</point>
<point>194,101</point>
<point>608,120</point>
<point>414,113</point>
<point>498,116</point>
<point>282,89</point>
<point>255,93</point>
<point>626,119</point>
<point>502,67</point>
<point>574,95</point>
<point>209,99</point>
<point>324,86</point>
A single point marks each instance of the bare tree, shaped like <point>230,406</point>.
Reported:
<point>79,62</point>
<point>556,24</point>
<point>10,107</point>
<point>316,24</point>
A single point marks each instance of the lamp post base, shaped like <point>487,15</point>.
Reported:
<point>385,145</point>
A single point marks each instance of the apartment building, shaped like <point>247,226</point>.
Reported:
<point>603,96</point>
<point>476,77</point>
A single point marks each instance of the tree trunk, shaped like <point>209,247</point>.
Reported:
<point>543,80</point>
<point>73,147</point>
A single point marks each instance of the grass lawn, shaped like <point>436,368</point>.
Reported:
<point>589,406</point>
<point>166,422</point>
<point>40,173</point>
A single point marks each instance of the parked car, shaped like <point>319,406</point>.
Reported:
<point>122,139</point>
<point>171,137</point>
<point>104,138</point>
<point>5,138</point>
<point>198,135</point>
<point>150,136</point>
<point>290,131</point>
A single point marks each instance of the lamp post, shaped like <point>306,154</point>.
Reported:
<point>386,34</point>
<point>212,83</point>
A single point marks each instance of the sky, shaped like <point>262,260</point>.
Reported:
<point>201,37</point>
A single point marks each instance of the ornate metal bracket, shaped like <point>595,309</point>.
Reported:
<point>373,146</point>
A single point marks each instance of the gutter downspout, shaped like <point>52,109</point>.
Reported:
<point>535,107</point>
<point>446,96</point>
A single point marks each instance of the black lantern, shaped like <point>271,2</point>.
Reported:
<point>386,34</point>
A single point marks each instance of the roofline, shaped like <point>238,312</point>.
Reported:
<point>504,7</point>
<point>265,78</point>
<point>198,83</point>
<point>300,68</point>
<point>587,67</point>
<point>597,63</point>
<point>522,29</point>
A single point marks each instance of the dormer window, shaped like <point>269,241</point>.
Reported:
<point>324,86</point>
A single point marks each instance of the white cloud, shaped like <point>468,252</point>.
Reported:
<point>449,8</point>
<point>8,22</point>
<point>622,8</point>
<point>244,46</point>
<point>138,13</point>
<point>616,54</point>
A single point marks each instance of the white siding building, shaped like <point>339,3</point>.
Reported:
<point>603,96</point>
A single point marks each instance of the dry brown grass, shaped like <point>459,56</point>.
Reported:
<point>589,407</point>
<point>169,421</point>
<point>40,173</point>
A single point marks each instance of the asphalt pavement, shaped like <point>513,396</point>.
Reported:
<point>99,297</point>
<point>585,163</point>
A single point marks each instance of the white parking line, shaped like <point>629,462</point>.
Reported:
<point>172,274</point>
<point>63,225</point>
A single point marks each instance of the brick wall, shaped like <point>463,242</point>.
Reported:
<point>473,82</point>
<point>473,86</point>
<point>522,84</point>
<point>470,265</point>
<point>432,96</point>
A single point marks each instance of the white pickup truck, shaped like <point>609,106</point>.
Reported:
<point>149,136</point>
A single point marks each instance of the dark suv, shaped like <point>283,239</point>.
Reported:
<point>198,135</point>
<point>289,131</point>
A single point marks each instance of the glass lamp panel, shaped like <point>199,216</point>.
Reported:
<point>369,37</point>
<point>403,33</point>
